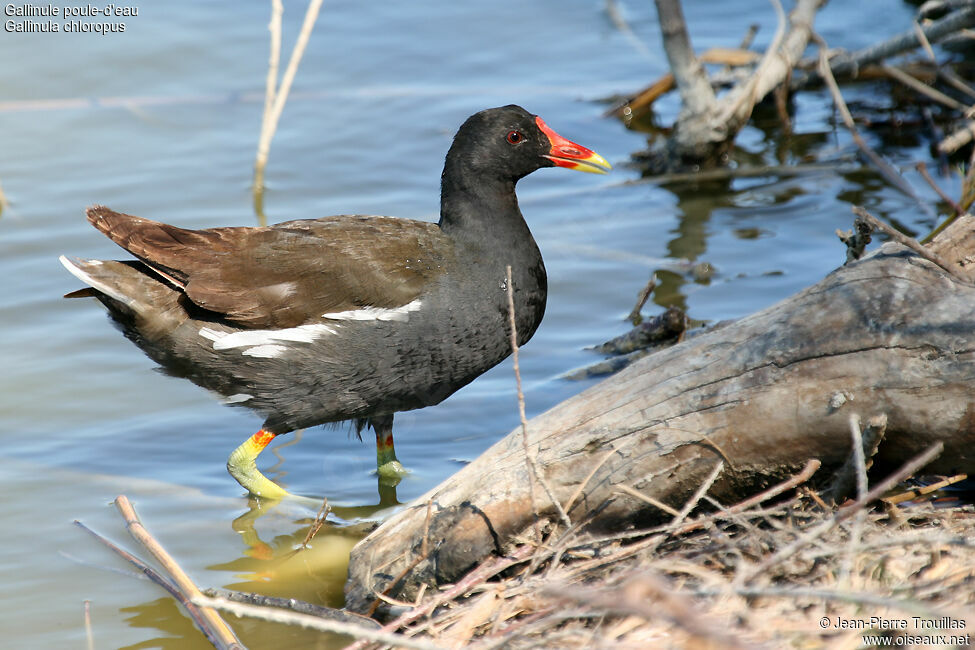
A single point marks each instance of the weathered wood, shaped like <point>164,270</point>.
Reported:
<point>850,63</point>
<point>889,334</point>
<point>696,93</point>
<point>706,126</point>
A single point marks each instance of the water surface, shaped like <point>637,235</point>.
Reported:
<point>162,121</point>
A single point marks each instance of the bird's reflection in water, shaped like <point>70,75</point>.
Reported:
<point>282,558</point>
<point>386,487</point>
<point>277,561</point>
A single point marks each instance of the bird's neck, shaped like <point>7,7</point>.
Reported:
<point>482,217</point>
<point>477,206</point>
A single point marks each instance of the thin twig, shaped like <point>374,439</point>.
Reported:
<point>582,486</point>
<point>513,334</point>
<point>747,95</point>
<point>270,91</point>
<point>616,17</point>
<point>649,596</point>
<point>534,473</point>
<point>810,468</point>
<point>927,489</point>
<point>270,120</point>
<point>860,463</point>
<point>917,607</point>
<point>749,37</point>
<point>912,243</point>
<point>922,38</point>
<point>307,621</point>
<point>673,512</point>
<point>318,523</point>
<point>89,635</point>
<point>270,85</point>
<point>202,623</point>
<point>922,169</point>
<point>292,604</point>
<point>926,90</point>
<point>487,569</point>
<point>934,31</point>
<point>842,514</point>
<point>226,636</point>
<point>381,596</point>
<point>952,78</point>
<point>641,300</point>
<point>853,471</point>
<point>958,138</point>
<point>885,169</point>
<point>701,491</point>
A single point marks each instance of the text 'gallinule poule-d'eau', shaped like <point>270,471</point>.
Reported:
<point>348,317</point>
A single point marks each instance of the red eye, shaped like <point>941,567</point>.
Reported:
<point>514,137</point>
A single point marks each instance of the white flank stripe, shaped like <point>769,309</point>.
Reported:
<point>265,351</point>
<point>250,338</point>
<point>237,398</point>
<point>265,343</point>
<point>213,335</point>
<point>401,313</point>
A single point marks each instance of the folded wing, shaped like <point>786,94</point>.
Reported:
<point>290,273</point>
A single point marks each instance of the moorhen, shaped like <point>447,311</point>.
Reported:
<point>349,317</point>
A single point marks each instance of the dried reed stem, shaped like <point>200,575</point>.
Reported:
<point>225,635</point>
<point>582,486</point>
<point>885,169</point>
<point>656,503</point>
<point>899,75</point>
<point>842,514</point>
<point>701,491</point>
<point>196,614</point>
<point>318,523</point>
<point>270,85</point>
<point>860,469</point>
<point>310,622</point>
<point>89,635</point>
<point>533,473</point>
<point>274,107</point>
<point>913,244</point>
<point>923,171</point>
<point>487,569</point>
<point>958,139</point>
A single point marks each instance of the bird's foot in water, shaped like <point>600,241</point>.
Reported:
<point>391,472</point>
<point>242,465</point>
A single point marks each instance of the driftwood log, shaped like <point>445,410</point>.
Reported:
<point>707,125</point>
<point>890,334</point>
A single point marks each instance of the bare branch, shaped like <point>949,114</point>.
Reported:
<point>696,93</point>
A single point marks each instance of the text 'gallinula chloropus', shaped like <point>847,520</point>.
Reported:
<point>348,317</point>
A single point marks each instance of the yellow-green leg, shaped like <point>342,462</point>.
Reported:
<point>387,466</point>
<point>242,465</point>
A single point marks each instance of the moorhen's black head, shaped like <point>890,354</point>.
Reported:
<point>508,143</point>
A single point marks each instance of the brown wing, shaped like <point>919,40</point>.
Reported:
<point>290,273</point>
